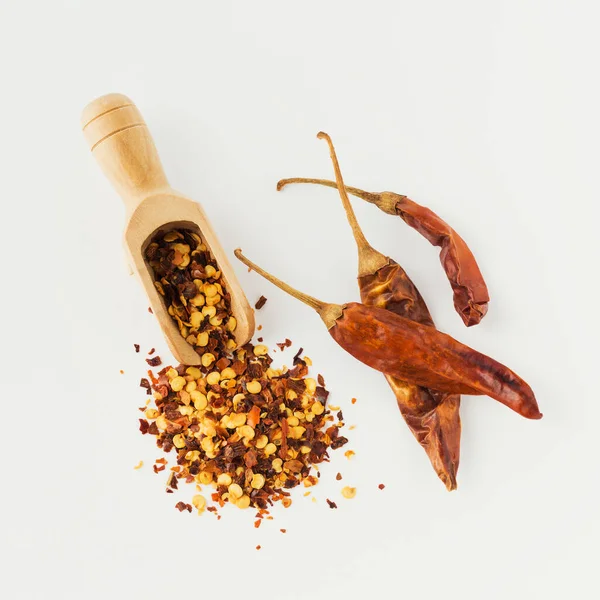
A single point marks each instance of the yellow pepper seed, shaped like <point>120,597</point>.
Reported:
<point>178,441</point>
<point>209,311</point>
<point>231,324</point>
<point>261,441</point>
<point>235,491</point>
<point>204,477</point>
<point>210,271</point>
<point>208,359</point>
<point>348,492</point>
<point>270,448</point>
<point>254,387</point>
<point>258,481</point>
<point>199,501</point>
<point>224,479</point>
<point>193,372</point>
<point>196,319</point>
<point>260,350</point>
<point>246,431</point>
<point>213,377</point>
<point>317,408</point>
<point>227,373</point>
<point>202,341</point>
<point>243,502</point>
<point>199,399</point>
<point>215,321</point>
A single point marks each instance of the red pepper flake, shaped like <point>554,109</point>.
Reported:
<point>260,303</point>
<point>260,339</point>
<point>259,327</point>
<point>144,425</point>
<point>258,547</point>
<point>152,351</point>
<point>381,486</point>
<point>340,416</point>
<point>144,383</point>
<point>150,310</point>
<point>283,530</point>
<point>161,461</point>
<point>169,491</point>
<point>297,358</point>
<point>154,362</point>
<point>353,400</point>
<point>257,523</point>
<point>137,347</point>
<point>320,380</point>
<point>338,476</point>
<point>331,503</point>
<point>121,371</point>
<point>211,508</point>
<point>286,344</point>
<point>158,469</point>
<point>181,506</point>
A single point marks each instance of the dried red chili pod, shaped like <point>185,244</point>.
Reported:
<point>433,417</point>
<point>471,295</point>
<point>414,352</point>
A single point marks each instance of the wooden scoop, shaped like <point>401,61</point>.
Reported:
<point>121,143</point>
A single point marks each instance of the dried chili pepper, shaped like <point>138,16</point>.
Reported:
<point>433,417</point>
<point>414,352</point>
<point>470,291</point>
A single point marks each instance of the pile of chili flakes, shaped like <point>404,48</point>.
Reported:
<point>246,431</point>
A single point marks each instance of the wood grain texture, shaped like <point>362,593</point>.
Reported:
<point>123,147</point>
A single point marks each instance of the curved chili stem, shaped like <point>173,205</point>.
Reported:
<point>328,312</point>
<point>369,260</point>
<point>368,196</point>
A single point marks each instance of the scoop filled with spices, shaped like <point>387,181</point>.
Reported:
<point>413,352</point>
<point>121,143</point>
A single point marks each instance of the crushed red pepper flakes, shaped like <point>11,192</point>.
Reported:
<point>152,351</point>
<point>122,372</point>
<point>297,358</point>
<point>257,523</point>
<point>154,361</point>
<point>181,506</point>
<point>260,339</point>
<point>283,345</point>
<point>144,383</point>
<point>150,310</point>
<point>338,477</point>
<point>381,486</point>
<point>258,547</point>
<point>237,426</point>
<point>259,327</point>
<point>320,380</point>
<point>283,530</point>
<point>331,503</point>
<point>137,347</point>
<point>260,303</point>
<point>353,400</point>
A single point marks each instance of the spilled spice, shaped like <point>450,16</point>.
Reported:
<point>260,303</point>
<point>240,428</point>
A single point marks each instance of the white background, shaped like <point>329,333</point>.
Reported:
<point>487,112</point>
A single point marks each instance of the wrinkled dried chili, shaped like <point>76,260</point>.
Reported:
<point>416,353</point>
<point>433,417</point>
<point>471,295</point>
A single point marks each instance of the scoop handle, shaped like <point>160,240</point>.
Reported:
<point>121,143</point>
